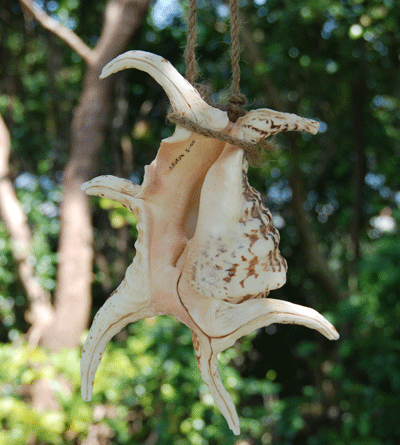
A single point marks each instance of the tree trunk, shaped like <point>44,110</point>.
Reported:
<point>74,275</point>
<point>88,131</point>
<point>40,313</point>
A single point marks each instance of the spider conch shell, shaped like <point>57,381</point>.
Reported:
<point>207,251</point>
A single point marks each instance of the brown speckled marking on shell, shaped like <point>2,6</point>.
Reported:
<point>245,260</point>
<point>265,122</point>
<point>251,297</point>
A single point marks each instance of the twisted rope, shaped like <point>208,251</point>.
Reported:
<point>250,149</point>
<point>237,100</point>
<point>190,50</point>
<point>234,106</point>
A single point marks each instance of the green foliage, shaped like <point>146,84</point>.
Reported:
<point>337,61</point>
<point>147,382</point>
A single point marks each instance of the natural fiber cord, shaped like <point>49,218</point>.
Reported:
<point>190,50</point>
<point>234,106</point>
<point>237,100</point>
<point>250,149</point>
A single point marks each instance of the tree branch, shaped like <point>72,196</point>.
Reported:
<point>122,19</point>
<point>64,33</point>
<point>41,312</point>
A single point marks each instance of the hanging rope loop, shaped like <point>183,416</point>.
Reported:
<point>237,100</point>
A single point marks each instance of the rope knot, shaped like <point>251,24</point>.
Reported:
<point>204,90</point>
<point>235,105</point>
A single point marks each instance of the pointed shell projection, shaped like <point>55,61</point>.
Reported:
<point>207,252</point>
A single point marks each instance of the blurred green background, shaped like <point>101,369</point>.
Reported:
<point>335,199</point>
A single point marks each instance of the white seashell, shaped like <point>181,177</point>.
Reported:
<point>207,252</point>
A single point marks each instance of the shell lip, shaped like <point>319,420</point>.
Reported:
<point>108,183</point>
